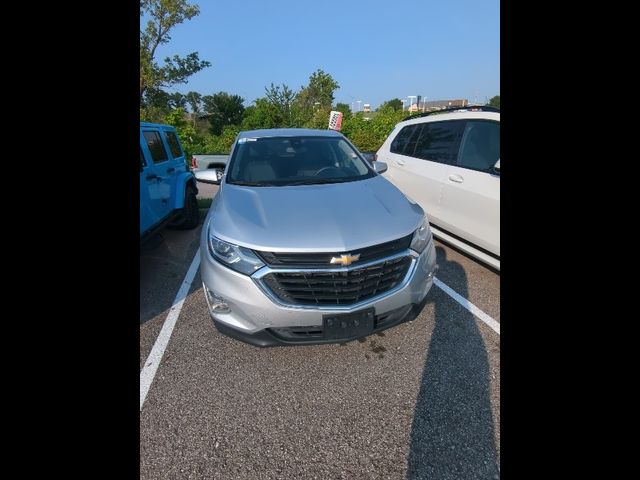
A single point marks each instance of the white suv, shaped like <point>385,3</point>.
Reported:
<point>449,163</point>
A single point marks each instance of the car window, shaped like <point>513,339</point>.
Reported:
<point>142,161</point>
<point>156,147</point>
<point>174,144</point>
<point>402,144</point>
<point>438,141</point>
<point>342,153</point>
<point>480,148</point>
<point>295,161</point>
<point>410,148</point>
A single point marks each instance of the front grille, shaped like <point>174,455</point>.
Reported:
<point>337,288</point>
<point>367,254</point>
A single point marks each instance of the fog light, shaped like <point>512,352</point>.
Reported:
<point>432,273</point>
<point>215,302</point>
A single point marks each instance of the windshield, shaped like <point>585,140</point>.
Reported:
<point>283,161</point>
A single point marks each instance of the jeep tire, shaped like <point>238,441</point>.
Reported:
<point>190,216</point>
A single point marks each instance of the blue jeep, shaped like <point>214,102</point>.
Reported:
<point>167,187</point>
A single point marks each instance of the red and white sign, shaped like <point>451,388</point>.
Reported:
<point>335,120</point>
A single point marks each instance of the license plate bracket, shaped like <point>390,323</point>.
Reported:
<point>348,325</point>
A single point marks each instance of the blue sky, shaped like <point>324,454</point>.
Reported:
<point>376,50</point>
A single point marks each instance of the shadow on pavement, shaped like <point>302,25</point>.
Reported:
<point>452,434</point>
<point>164,262</point>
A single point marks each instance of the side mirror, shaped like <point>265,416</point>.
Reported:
<point>369,157</point>
<point>207,176</point>
<point>496,167</point>
<point>380,167</point>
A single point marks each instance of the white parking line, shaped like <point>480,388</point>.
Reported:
<point>153,360</point>
<point>495,326</point>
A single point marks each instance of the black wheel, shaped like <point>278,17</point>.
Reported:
<point>190,216</point>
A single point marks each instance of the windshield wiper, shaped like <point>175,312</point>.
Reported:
<point>318,181</point>
<point>253,184</point>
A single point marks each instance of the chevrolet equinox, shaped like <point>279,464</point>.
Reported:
<point>305,243</point>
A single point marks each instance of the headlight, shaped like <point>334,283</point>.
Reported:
<point>421,237</point>
<point>236,258</point>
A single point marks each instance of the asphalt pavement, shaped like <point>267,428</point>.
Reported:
<point>418,401</point>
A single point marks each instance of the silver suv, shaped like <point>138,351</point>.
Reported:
<point>306,243</point>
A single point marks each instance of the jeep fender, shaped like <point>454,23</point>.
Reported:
<point>182,181</point>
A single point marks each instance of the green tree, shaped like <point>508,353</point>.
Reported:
<point>283,105</point>
<point>320,89</point>
<point>263,114</point>
<point>194,99</point>
<point>156,104</point>
<point>191,141</point>
<point>250,119</point>
<point>163,16</point>
<point>320,118</point>
<point>384,123</point>
<point>223,109</point>
<point>318,94</point>
<point>369,135</point>
<point>277,109</point>
<point>359,131</point>
<point>222,143</point>
<point>495,101</point>
<point>177,100</point>
<point>394,103</point>
<point>344,108</point>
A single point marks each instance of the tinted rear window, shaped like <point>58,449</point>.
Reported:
<point>174,144</point>
<point>480,148</point>
<point>402,143</point>
<point>438,141</point>
<point>156,147</point>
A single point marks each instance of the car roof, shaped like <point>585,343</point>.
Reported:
<point>288,132</point>
<point>455,115</point>
<point>156,125</point>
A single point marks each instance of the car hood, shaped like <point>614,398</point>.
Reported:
<point>313,218</point>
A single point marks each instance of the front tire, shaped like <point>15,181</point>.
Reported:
<point>190,216</point>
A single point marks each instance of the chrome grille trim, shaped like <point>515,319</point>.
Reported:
<point>264,271</point>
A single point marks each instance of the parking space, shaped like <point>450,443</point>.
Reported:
<point>471,279</point>
<point>420,400</point>
<point>164,261</point>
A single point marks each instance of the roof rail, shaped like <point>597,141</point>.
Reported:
<point>471,108</point>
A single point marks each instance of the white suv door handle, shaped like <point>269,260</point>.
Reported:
<point>456,178</point>
<point>399,162</point>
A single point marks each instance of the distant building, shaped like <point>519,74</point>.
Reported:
<point>366,108</point>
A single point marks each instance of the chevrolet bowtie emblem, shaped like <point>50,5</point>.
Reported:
<point>345,260</point>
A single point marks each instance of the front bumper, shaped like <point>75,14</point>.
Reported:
<point>257,318</point>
